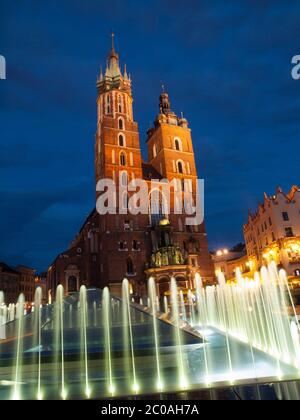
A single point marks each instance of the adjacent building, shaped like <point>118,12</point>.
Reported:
<point>272,233</point>
<point>111,247</point>
<point>16,280</point>
<point>26,282</point>
<point>9,283</point>
<point>228,261</point>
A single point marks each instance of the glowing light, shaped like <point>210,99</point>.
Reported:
<point>16,396</point>
<point>112,389</point>
<point>88,393</point>
<point>64,394</point>
<point>39,396</point>
<point>160,386</point>
<point>135,387</point>
<point>183,383</point>
<point>207,382</point>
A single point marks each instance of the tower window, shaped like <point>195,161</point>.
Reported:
<point>122,159</point>
<point>157,208</point>
<point>180,167</point>
<point>121,124</point>
<point>120,104</point>
<point>124,178</point>
<point>177,144</point>
<point>135,245</point>
<point>121,140</point>
<point>107,104</point>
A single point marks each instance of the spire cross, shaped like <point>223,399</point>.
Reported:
<point>112,40</point>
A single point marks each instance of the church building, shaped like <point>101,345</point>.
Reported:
<point>110,247</point>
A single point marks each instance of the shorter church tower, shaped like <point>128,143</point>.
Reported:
<point>170,152</point>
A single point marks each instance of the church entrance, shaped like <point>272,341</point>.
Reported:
<point>72,284</point>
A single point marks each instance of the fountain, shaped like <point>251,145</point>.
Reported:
<point>178,338</point>
<point>127,332</point>
<point>83,339</point>
<point>107,339</point>
<point>154,309</point>
<point>17,376</point>
<point>92,344</point>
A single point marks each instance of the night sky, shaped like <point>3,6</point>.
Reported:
<point>225,64</point>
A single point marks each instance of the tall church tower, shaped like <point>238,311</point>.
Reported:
<point>117,139</point>
<point>122,247</point>
<point>170,152</point>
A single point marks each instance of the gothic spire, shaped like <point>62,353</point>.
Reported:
<point>113,68</point>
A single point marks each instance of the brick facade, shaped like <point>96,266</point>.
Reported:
<point>114,246</point>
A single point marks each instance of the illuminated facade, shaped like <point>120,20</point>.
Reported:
<point>273,232</point>
<point>111,247</point>
<point>227,262</point>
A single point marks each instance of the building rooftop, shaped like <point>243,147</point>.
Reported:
<point>289,197</point>
<point>7,269</point>
<point>149,172</point>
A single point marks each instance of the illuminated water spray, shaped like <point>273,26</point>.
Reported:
<point>127,327</point>
<point>178,341</point>
<point>19,349</point>
<point>83,338</point>
<point>107,339</point>
<point>202,319</point>
<point>38,335</point>
<point>59,338</point>
<point>153,300</point>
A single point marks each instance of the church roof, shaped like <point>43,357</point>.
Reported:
<point>149,172</point>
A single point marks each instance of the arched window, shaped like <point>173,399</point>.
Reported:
<point>120,104</point>
<point>177,144</point>
<point>130,268</point>
<point>124,178</point>
<point>107,104</point>
<point>113,156</point>
<point>180,166</point>
<point>154,151</point>
<point>121,124</point>
<point>122,159</point>
<point>156,208</point>
<point>121,140</point>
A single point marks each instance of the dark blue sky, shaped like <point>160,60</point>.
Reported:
<point>226,65</point>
